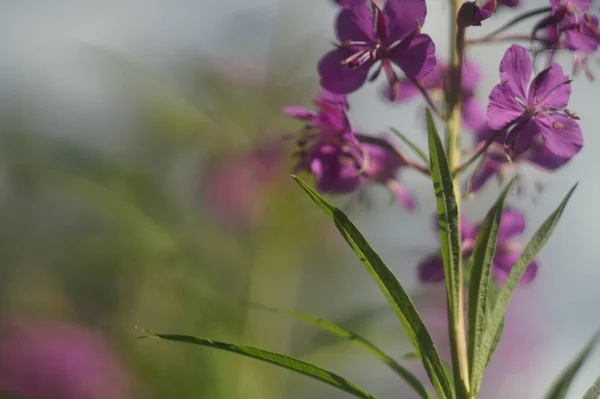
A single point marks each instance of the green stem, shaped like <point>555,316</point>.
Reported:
<point>456,311</point>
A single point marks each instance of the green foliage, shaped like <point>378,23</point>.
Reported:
<point>536,243</point>
<point>481,261</point>
<point>393,291</point>
<point>560,387</point>
<point>353,337</point>
<point>277,359</point>
<point>450,244</point>
<point>418,151</point>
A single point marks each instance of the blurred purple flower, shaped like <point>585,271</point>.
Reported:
<point>472,14</point>
<point>497,164</point>
<point>367,35</point>
<point>330,117</point>
<point>508,250</point>
<point>539,109</point>
<point>59,361</point>
<point>435,83</point>
<point>236,185</point>
<point>335,162</point>
<point>382,165</point>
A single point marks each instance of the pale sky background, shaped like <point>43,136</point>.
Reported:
<point>40,58</point>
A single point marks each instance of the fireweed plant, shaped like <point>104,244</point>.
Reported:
<point>526,122</point>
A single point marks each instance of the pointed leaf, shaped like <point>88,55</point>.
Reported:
<point>560,386</point>
<point>277,359</point>
<point>536,243</point>
<point>419,152</point>
<point>344,333</point>
<point>393,291</point>
<point>594,391</point>
<point>449,231</point>
<point>481,270</point>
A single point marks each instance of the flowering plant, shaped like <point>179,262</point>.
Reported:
<point>526,122</point>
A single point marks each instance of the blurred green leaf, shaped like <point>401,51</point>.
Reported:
<point>419,152</point>
<point>561,384</point>
<point>393,291</point>
<point>594,391</point>
<point>449,230</point>
<point>482,260</point>
<point>346,334</point>
<point>536,243</point>
<point>277,359</point>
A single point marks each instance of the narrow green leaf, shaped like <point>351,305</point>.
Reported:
<point>277,359</point>
<point>344,333</point>
<point>419,152</point>
<point>393,291</point>
<point>481,269</point>
<point>594,391</point>
<point>536,243</point>
<point>561,384</point>
<point>493,293</point>
<point>449,230</point>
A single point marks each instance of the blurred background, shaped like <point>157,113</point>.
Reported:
<point>145,184</point>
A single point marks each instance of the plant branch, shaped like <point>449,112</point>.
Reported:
<point>518,19</point>
<point>428,99</point>
<point>363,138</point>
<point>481,149</point>
<point>514,37</point>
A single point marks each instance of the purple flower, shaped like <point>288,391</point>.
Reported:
<point>537,109</point>
<point>236,187</point>
<point>508,250</point>
<point>335,162</point>
<point>59,361</point>
<point>382,165</point>
<point>497,164</point>
<point>472,14</point>
<point>368,35</point>
<point>330,118</point>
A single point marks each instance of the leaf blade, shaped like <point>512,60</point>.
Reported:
<point>479,293</point>
<point>561,385</point>
<point>418,151</point>
<point>450,245</point>
<point>594,391</point>
<point>274,358</point>
<point>536,243</point>
<point>341,332</point>
<point>393,291</point>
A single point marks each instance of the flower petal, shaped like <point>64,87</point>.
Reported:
<point>471,75</point>
<point>502,109</point>
<point>585,40</point>
<point>504,261</point>
<point>512,224</point>
<point>520,138</point>
<point>516,70</point>
<point>548,160</point>
<point>431,270</point>
<point>402,17</point>
<point>562,135</point>
<point>484,173</point>
<point>551,88</point>
<point>473,114</point>
<point>403,194</point>
<point>355,23</point>
<point>301,113</point>
<point>415,56</point>
<point>339,78</point>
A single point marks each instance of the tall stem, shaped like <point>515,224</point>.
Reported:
<point>456,311</point>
